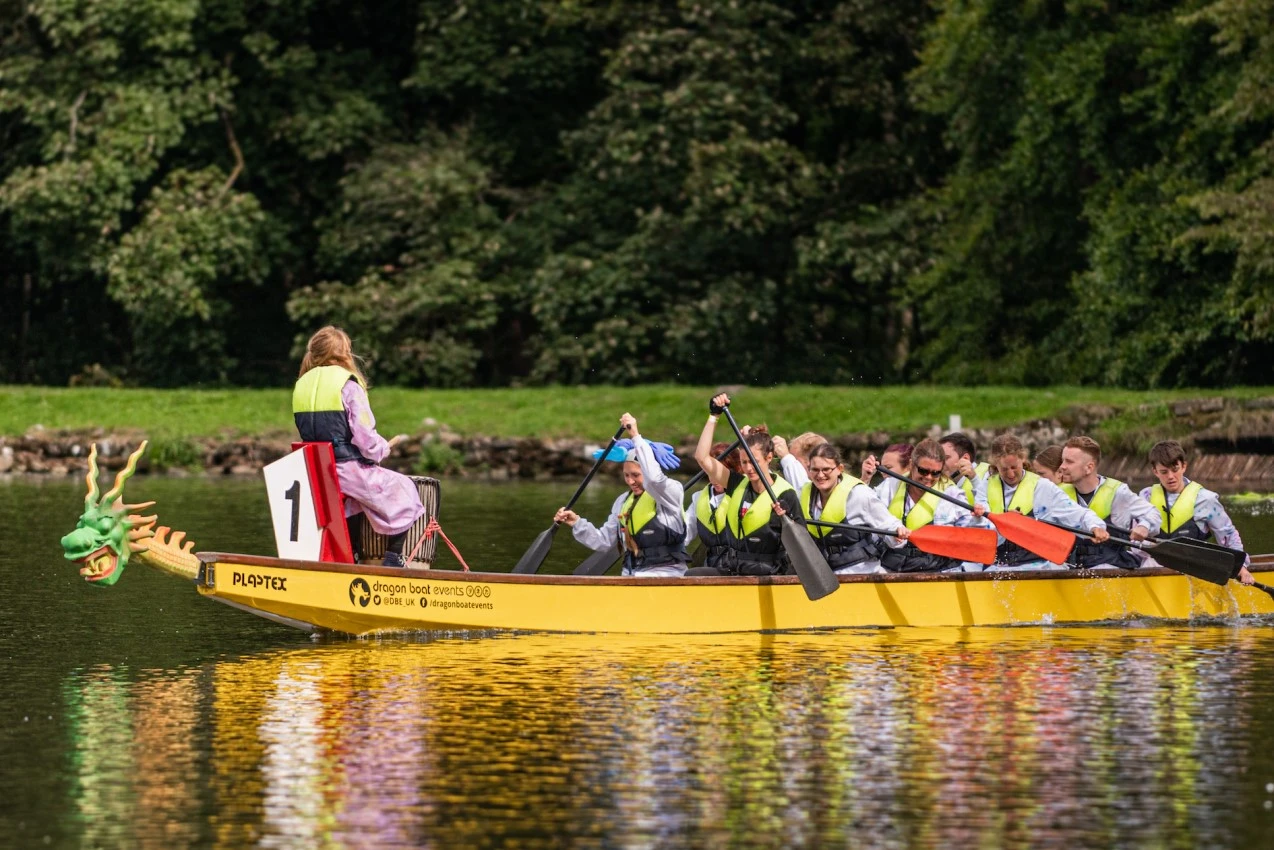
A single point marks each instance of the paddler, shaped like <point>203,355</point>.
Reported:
<point>1048,461</point>
<point>896,458</point>
<point>706,518</point>
<point>1013,488</point>
<point>918,508</point>
<point>1110,499</point>
<point>1186,509</point>
<point>960,462</point>
<point>794,460</point>
<point>754,520</point>
<point>329,405</point>
<point>646,522</point>
<point>832,495</point>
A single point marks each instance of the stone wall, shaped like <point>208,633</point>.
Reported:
<point>1228,440</point>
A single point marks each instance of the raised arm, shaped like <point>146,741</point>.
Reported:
<point>718,473</point>
<point>667,492</point>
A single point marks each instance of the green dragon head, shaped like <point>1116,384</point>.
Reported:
<point>107,532</point>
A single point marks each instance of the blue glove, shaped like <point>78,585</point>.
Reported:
<point>664,454</point>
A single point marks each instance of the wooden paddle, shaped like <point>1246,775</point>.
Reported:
<point>533,558</point>
<point>1214,565</point>
<point>811,567</point>
<point>1049,543</point>
<point>963,544</point>
<point>600,562</point>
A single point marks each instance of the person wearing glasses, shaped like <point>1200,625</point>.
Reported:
<point>834,496</point>
<point>754,519</point>
<point>917,508</point>
<point>1013,488</point>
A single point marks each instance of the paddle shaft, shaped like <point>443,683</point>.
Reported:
<point>810,566</point>
<point>863,529</point>
<point>760,470</point>
<point>579,491</point>
<point>533,558</point>
<point>701,474</point>
<point>941,495</point>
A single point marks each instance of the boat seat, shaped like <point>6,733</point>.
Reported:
<point>329,502</point>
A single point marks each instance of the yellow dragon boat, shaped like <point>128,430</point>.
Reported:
<point>362,599</point>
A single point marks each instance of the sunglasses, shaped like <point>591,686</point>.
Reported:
<point>921,472</point>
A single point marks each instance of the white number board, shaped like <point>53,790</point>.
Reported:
<point>296,530</point>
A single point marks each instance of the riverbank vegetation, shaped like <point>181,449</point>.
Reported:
<point>667,412</point>
<point>513,193</point>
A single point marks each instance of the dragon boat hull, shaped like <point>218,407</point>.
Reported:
<point>360,600</point>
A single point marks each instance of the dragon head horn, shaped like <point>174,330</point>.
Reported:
<point>124,474</point>
<point>90,501</point>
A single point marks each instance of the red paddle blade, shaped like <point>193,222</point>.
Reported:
<point>1047,541</point>
<point>963,544</point>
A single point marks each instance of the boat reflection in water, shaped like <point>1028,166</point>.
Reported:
<point>932,738</point>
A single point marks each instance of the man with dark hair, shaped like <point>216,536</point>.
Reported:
<point>1185,508</point>
<point>1110,499</point>
<point>960,462</point>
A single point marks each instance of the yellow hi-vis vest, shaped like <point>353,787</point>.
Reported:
<point>921,513</point>
<point>715,519</point>
<point>319,412</point>
<point>760,511</point>
<point>1103,498</point>
<point>833,506</point>
<point>967,484</point>
<point>1182,510</point>
<point>1023,500</point>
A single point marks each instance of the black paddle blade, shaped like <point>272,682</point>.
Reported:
<point>533,558</point>
<point>598,563</point>
<point>811,567</point>
<point>1239,556</point>
<point>1206,564</point>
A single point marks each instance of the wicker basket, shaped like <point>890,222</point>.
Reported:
<point>373,543</point>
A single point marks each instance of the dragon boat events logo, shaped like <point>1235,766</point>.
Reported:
<point>360,592</point>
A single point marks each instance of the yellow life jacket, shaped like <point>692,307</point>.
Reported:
<point>833,506</point>
<point>715,520</point>
<point>1182,510</point>
<point>967,484</point>
<point>921,513</point>
<point>1103,498</point>
<point>319,412</point>
<point>758,513</point>
<point>1023,500</point>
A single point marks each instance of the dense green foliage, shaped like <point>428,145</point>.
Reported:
<point>514,192</point>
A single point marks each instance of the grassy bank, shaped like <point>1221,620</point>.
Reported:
<point>665,412</point>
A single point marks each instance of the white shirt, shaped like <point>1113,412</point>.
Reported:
<point>1210,514</point>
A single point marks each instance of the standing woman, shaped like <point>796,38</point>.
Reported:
<point>329,404</point>
<point>834,496</point>
<point>754,520</point>
<point>917,508</point>
<point>706,518</point>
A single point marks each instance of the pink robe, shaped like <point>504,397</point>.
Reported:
<point>389,499</point>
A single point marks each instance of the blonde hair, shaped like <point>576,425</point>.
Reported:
<point>804,444</point>
<point>331,346</point>
<point>1006,445</point>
